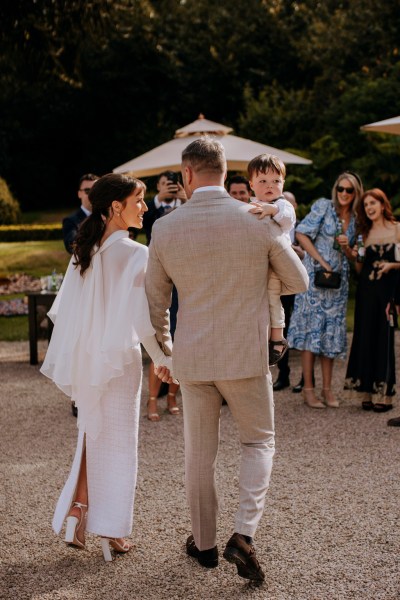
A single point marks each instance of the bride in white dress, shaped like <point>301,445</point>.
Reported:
<point>101,316</point>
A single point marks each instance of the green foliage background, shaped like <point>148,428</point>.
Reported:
<point>87,85</point>
<point>9,207</point>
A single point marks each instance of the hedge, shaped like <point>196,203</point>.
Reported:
<point>30,233</point>
<point>9,207</point>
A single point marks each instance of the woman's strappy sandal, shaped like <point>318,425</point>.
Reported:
<point>174,409</point>
<point>152,414</point>
<point>310,398</point>
<point>119,545</point>
<point>75,532</point>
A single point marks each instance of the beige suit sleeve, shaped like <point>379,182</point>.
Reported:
<point>159,292</point>
<point>287,266</point>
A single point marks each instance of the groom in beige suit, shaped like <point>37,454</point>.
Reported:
<point>218,254</point>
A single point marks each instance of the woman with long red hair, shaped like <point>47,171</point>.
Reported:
<point>371,367</point>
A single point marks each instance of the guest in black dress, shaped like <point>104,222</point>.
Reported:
<point>371,367</point>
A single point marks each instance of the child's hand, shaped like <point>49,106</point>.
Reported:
<point>263,209</point>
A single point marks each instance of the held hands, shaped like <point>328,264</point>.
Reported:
<point>164,371</point>
<point>263,209</point>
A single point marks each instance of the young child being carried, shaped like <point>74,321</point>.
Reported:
<point>267,177</point>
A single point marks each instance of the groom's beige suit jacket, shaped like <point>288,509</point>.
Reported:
<point>218,254</point>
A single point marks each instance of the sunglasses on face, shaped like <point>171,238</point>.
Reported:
<point>349,190</point>
<point>86,190</point>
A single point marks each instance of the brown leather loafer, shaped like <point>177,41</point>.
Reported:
<point>243,555</point>
<point>206,558</point>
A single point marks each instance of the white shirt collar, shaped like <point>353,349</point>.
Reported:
<point>174,204</point>
<point>85,210</point>
<point>210,188</point>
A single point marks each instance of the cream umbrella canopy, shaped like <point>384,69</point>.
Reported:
<point>386,126</point>
<point>239,151</point>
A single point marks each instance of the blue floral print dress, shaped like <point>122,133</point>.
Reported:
<point>318,322</point>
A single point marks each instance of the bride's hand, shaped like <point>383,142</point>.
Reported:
<point>164,371</point>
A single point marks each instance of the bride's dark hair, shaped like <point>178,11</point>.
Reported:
<point>104,191</point>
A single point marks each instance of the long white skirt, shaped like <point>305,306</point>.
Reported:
<point>111,460</point>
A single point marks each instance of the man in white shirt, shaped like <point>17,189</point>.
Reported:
<point>170,195</point>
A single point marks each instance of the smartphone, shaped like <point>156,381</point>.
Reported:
<point>173,177</point>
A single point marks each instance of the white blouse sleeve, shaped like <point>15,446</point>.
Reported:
<point>286,216</point>
<point>100,319</point>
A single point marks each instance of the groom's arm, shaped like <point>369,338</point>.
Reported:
<point>287,266</point>
<point>159,293</point>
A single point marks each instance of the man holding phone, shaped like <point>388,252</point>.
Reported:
<point>170,195</point>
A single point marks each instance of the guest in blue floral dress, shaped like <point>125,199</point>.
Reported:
<point>318,322</point>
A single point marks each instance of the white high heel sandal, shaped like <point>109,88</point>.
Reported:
<point>75,525</point>
<point>115,545</point>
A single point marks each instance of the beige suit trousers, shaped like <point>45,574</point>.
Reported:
<point>251,403</point>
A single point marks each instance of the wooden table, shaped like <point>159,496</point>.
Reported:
<point>36,299</point>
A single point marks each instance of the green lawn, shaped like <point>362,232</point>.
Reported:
<point>13,329</point>
<point>32,258</point>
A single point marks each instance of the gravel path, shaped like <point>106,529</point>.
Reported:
<point>330,530</point>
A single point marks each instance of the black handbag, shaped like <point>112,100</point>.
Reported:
<point>327,279</point>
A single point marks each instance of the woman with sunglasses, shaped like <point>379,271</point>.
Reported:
<point>318,323</point>
<point>371,368</point>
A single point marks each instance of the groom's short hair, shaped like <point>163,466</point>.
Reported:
<point>205,154</point>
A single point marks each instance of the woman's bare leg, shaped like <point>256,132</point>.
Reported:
<point>307,364</point>
<point>327,370</point>
<point>154,388</point>
<point>81,493</point>
<point>171,401</point>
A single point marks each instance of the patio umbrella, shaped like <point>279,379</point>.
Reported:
<point>239,151</point>
<point>387,126</point>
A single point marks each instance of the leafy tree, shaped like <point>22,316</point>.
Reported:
<point>88,84</point>
<point>45,39</point>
